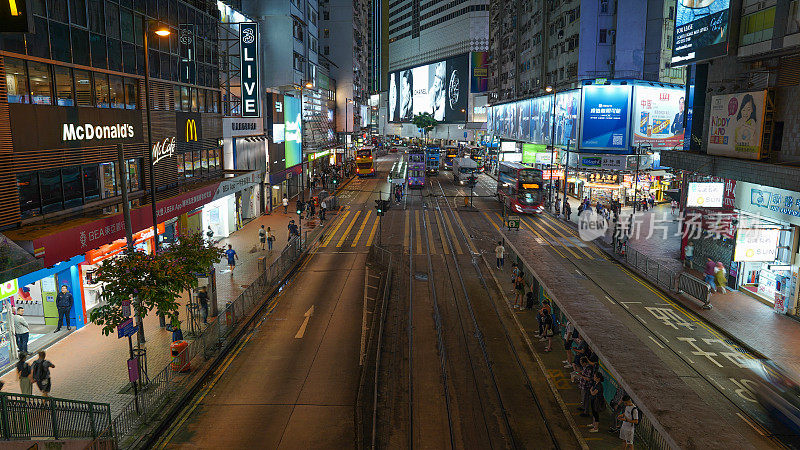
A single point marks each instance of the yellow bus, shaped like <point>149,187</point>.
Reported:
<point>365,165</point>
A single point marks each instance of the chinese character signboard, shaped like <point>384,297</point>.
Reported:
<point>658,116</point>
<point>756,244</point>
<point>778,204</point>
<point>705,195</point>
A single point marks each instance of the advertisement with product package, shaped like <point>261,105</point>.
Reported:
<point>658,116</point>
<point>736,125</point>
<point>756,244</point>
<point>440,88</point>
<point>605,118</point>
<point>701,30</point>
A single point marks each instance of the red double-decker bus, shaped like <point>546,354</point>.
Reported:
<point>520,188</point>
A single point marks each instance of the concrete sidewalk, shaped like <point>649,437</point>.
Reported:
<point>738,315</point>
<point>93,367</point>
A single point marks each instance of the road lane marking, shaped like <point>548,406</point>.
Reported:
<point>545,224</point>
<point>361,229</point>
<point>418,233</point>
<point>429,229</point>
<point>372,233</point>
<point>349,227</point>
<point>491,221</point>
<point>757,428</point>
<point>363,349</point>
<point>466,233</point>
<point>452,233</point>
<point>406,232</point>
<point>306,317</point>
<point>440,227</point>
<point>335,229</point>
<point>553,238</point>
<point>657,343</point>
<point>592,246</point>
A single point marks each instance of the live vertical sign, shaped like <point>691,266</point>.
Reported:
<point>248,40</point>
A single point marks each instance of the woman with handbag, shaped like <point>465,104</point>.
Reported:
<point>598,402</point>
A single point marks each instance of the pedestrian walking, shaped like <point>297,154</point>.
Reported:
<point>688,255</point>
<point>519,287</point>
<point>720,277</point>
<point>285,203</point>
<point>499,253</point>
<point>24,374</point>
<point>674,207</point>
<point>21,330</point>
<point>629,418</point>
<point>270,238</point>
<point>310,213</point>
<point>709,273</point>
<point>63,304</point>
<point>598,403</point>
<point>548,327</point>
<point>323,207</point>
<point>232,257</point>
<point>202,302</point>
<point>262,236</point>
<point>567,210</point>
<point>41,373</point>
<point>210,234</point>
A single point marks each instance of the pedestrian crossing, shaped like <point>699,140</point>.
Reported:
<point>351,229</point>
<point>434,228</point>
<point>548,231</point>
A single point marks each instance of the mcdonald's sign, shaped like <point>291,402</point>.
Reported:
<point>191,130</point>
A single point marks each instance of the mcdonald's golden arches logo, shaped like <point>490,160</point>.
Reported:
<point>191,130</point>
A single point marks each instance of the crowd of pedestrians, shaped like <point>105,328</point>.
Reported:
<point>583,363</point>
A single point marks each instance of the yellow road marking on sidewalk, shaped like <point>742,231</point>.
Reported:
<point>349,227</point>
<point>429,229</point>
<point>372,233</point>
<point>453,233</point>
<point>466,233</point>
<point>406,232</point>
<point>545,222</point>
<point>491,221</point>
<point>335,229</point>
<point>418,233</point>
<point>361,229</point>
<point>539,235</point>
<point>441,234</point>
<point>553,239</point>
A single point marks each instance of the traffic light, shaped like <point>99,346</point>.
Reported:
<point>379,206</point>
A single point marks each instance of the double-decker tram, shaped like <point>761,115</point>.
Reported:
<point>478,155</point>
<point>416,167</point>
<point>520,187</point>
<point>365,164</point>
<point>432,160</point>
<point>450,153</point>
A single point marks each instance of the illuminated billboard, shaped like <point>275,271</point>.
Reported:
<point>736,123</point>
<point>701,30</point>
<point>293,130</point>
<point>658,116</point>
<point>440,88</point>
<point>605,118</point>
<point>705,195</point>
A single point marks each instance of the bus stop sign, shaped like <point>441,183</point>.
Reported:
<point>512,222</point>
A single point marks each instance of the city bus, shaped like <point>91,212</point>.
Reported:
<point>477,155</point>
<point>520,188</point>
<point>450,153</point>
<point>416,167</point>
<point>365,165</point>
<point>432,160</point>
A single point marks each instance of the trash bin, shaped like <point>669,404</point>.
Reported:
<point>229,314</point>
<point>180,358</point>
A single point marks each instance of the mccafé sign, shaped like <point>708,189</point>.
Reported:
<point>163,149</point>
<point>88,132</point>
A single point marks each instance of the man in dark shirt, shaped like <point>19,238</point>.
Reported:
<point>63,303</point>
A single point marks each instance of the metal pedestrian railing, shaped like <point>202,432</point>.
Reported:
<point>30,417</point>
<point>695,287</point>
<point>649,267</point>
<point>168,385</point>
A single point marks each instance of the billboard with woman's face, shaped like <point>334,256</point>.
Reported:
<point>736,123</point>
<point>440,88</point>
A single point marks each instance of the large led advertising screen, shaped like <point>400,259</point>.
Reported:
<point>605,118</point>
<point>293,130</point>
<point>531,120</point>
<point>658,116</point>
<point>440,88</point>
<point>736,123</point>
<point>701,30</point>
<point>567,104</point>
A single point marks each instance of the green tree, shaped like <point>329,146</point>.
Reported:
<point>151,282</point>
<point>425,122</point>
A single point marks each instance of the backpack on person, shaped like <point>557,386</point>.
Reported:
<point>38,370</point>
<point>529,300</point>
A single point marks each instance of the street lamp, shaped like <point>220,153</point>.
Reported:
<point>551,89</point>
<point>162,31</point>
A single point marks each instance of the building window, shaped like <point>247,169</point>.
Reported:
<point>134,174</point>
<point>201,100</point>
<point>204,160</point>
<point>28,190</point>
<point>96,16</point>
<point>757,27</point>
<point>603,36</point>
<point>77,10</point>
<point>214,101</point>
<point>326,50</point>
<point>73,189</point>
<point>80,47</point>
<point>83,87</point>
<point>179,159</point>
<point>40,83</point>
<point>187,165</point>
<point>185,100</point>
<point>91,182</point>
<point>326,32</point>
<point>298,62</point>
<point>176,92</point>
<point>108,180</point>
<point>603,6</point>
<point>112,20</point>
<point>196,162</point>
<point>63,77</point>
<point>131,93</point>
<point>326,15</point>
<point>297,30</point>
<point>58,10</point>
<point>194,99</point>
<point>101,90</point>
<point>59,42</point>
<point>116,92</point>
<point>793,25</point>
<point>52,194</point>
<point>17,81</point>
<point>97,43</point>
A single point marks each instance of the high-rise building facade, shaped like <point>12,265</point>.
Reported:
<point>540,43</point>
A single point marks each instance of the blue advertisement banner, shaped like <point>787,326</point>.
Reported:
<point>605,118</point>
<point>294,130</point>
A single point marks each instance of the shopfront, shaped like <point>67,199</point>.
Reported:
<point>284,183</point>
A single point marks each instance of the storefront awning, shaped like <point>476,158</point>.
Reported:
<point>58,243</point>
